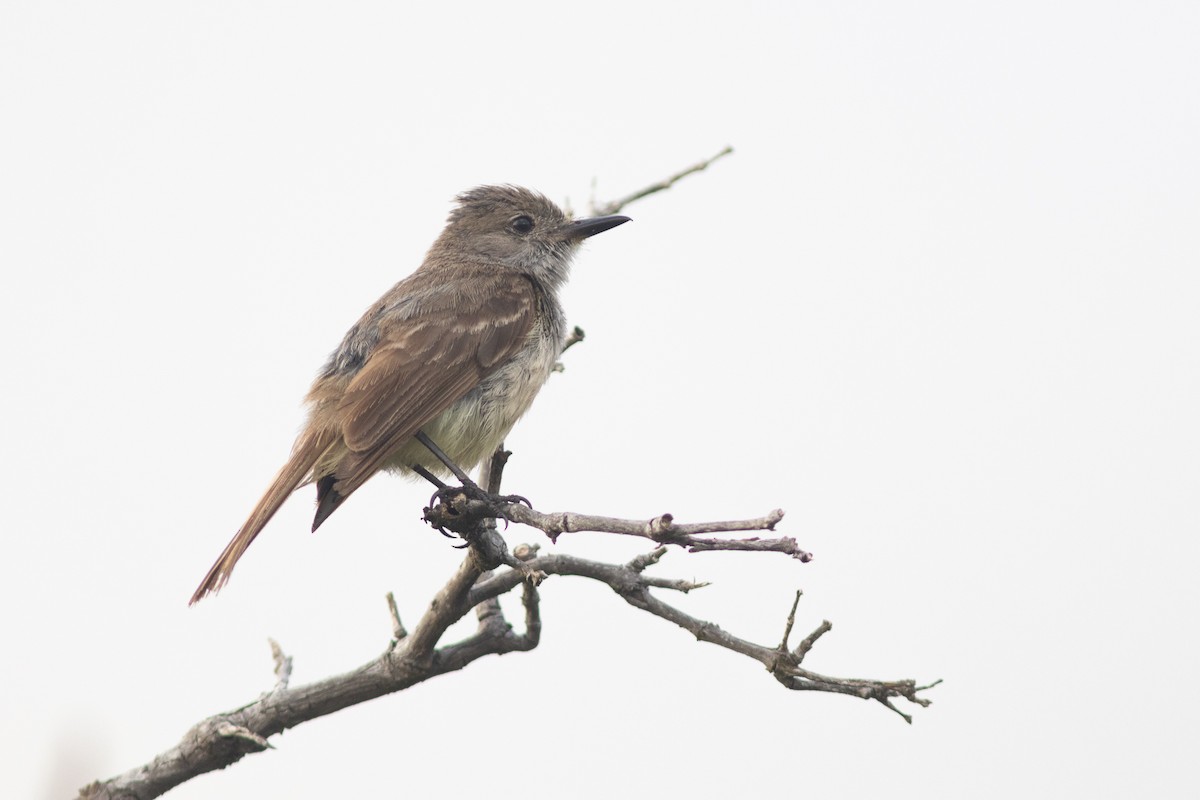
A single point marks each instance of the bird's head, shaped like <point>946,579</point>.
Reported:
<point>517,228</point>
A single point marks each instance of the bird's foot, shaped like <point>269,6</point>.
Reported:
<point>457,508</point>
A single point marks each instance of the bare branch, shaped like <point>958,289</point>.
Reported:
<point>460,513</point>
<point>225,738</point>
<point>662,529</point>
<point>613,207</point>
<point>448,606</point>
<point>633,586</point>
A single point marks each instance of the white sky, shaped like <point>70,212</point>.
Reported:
<point>941,305</point>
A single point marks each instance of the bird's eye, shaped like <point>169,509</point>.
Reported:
<point>522,224</point>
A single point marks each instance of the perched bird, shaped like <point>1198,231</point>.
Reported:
<point>457,350</point>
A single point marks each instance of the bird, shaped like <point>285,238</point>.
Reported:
<point>456,351</point>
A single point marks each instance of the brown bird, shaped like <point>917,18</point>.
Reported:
<point>457,350</point>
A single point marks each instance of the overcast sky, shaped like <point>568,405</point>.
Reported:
<point>941,305</point>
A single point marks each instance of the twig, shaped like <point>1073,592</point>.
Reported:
<point>398,631</point>
<point>662,529</point>
<point>629,582</point>
<point>806,644</point>
<point>573,338</point>
<point>614,206</point>
<point>791,620</point>
<point>495,469</point>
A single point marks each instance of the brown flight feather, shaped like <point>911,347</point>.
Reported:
<point>421,366</point>
<point>308,448</point>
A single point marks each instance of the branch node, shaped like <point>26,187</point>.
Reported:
<point>526,552</point>
<point>661,527</point>
<point>555,527</point>
<point>228,730</point>
<point>639,563</point>
<point>530,575</point>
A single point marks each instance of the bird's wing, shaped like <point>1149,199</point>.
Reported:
<point>424,363</point>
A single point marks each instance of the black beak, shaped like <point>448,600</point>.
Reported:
<point>583,228</point>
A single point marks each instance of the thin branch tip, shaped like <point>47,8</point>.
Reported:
<point>398,630</point>
<point>614,206</point>
<point>807,643</point>
<point>639,563</point>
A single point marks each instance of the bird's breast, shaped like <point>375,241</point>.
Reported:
<point>471,429</point>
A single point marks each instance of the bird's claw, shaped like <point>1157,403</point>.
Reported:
<point>513,499</point>
<point>448,497</point>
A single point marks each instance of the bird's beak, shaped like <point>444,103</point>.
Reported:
<point>583,228</point>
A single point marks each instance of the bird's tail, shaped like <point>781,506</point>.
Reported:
<point>308,449</point>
